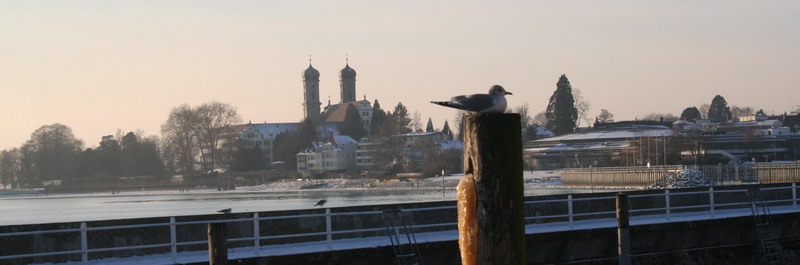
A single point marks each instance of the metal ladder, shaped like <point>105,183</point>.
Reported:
<point>769,246</point>
<point>398,223</point>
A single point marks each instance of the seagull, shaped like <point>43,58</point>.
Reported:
<point>494,102</point>
<point>225,211</point>
<point>320,203</point>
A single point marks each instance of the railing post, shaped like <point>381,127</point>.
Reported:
<point>328,230</point>
<point>711,200</point>
<point>217,244</point>
<point>666,202</point>
<point>84,244</point>
<point>256,234</point>
<point>569,210</point>
<point>173,242</point>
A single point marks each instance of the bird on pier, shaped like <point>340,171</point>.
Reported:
<point>225,211</point>
<point>493,102</point>
<point>320,203</point>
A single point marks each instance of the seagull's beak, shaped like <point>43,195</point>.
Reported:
<point>508,93</point>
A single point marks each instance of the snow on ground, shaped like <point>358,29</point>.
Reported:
<point>531,179</point>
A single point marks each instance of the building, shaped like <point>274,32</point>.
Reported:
<point>621,144</point>
<point>328,120</point>
<point>337,154</point>
<point>334,113</point>
<point>636,143</point>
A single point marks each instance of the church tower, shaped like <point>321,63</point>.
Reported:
<point>311,93</point>
<point>347,81</point>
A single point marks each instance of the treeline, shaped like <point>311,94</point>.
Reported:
<point>53,153</point>
<point>567,109</point>
<point>192,141</point>
<point>188,143</point>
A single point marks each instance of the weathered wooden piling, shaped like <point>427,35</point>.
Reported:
<point>623,229</point>
<point>493,159</point>
<point>217,244</point>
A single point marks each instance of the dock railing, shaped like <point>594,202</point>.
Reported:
<point>327,229</point>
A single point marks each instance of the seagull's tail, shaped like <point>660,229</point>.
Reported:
<point>444,103</point>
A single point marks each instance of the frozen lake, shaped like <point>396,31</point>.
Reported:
<point>34,208</point>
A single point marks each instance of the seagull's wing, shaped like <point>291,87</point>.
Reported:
<point>475,102</point>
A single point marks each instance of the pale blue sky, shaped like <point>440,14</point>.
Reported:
<point>101,65</point>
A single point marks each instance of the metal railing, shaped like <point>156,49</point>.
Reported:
<point>716,175</point>
<point>566,210</point>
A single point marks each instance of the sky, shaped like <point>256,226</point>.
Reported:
<point>100,66</point>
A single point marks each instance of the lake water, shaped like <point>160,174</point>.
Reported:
<point>32,208</point>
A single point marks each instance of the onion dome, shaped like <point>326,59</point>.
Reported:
<point>347,72</point>
<point>310,73</point>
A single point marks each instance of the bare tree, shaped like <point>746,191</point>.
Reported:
<point>666,117</point>
<point>9,167</point>
<point>539,119</point>
<point>50,154</point>
<point>704,110</point>
<point>212,119</point>
<point>458,120</point>
<point>524,114</point>
<point>737,111</point>
<point>582,105</point>
<point>416,121</point>
<point>180,144</point>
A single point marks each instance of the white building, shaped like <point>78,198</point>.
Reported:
<point>338,153</point>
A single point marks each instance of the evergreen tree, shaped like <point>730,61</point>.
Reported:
<point>378,117</point>
<point>761,112</point>
<point>248,158</point>
<point>129,162</point>
<point>429,127</point>
<point>605,116</point>
<point>139,156</point>
<point>287,144</point>
<point>561,113</point>
<point>446,131</point>
<point>402,119</point>
<point>719,110</point>
<point>352,124</point>
<point>691,114</point>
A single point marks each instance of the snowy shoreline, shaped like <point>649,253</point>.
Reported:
<point>536,179</point>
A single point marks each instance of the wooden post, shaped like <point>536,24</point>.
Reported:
<point>217,247</point>
<point>493,160</point>
<point>623,233</point>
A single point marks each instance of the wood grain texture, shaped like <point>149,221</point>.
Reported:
<point>493,157</point>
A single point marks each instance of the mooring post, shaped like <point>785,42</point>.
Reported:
<point>493,160</point>
<point>217,244</point>
<point>623,233</point>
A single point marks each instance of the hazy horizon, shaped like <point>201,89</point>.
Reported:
<point>99,66</point>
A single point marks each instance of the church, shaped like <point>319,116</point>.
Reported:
<point>328,120</point>
<point>334,113</point>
